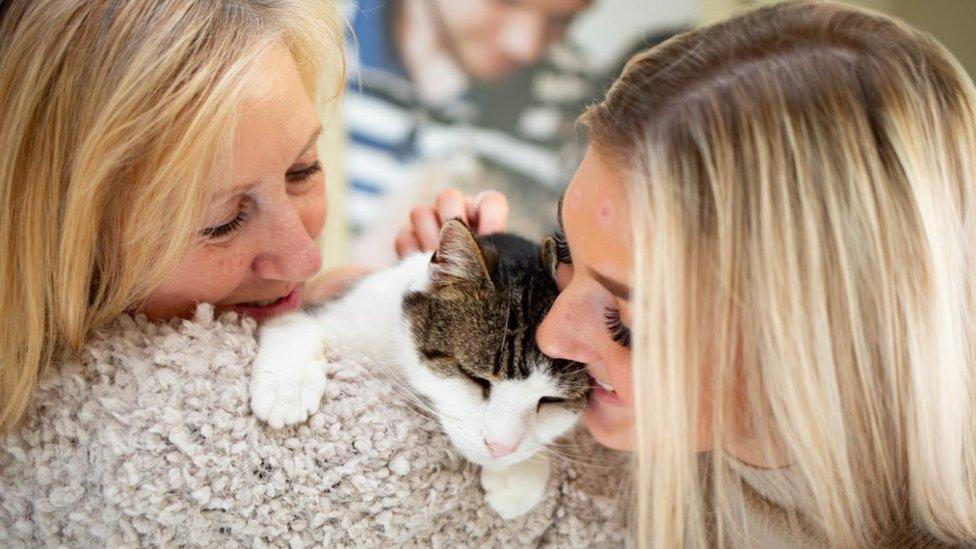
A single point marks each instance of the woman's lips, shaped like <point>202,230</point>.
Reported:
<point>259,311</point>
<point>604,392</point>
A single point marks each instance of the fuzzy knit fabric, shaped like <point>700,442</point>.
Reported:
<point>146,439</point>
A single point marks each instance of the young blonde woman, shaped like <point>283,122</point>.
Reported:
<point>770,272</point>
<point>782,208</point>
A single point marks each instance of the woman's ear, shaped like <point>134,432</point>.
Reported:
<point>458,259</point>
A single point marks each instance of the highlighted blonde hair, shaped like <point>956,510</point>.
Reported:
<point>803,181</point>
<point>113,113</point>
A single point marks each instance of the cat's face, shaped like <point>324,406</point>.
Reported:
<point>497,396</point>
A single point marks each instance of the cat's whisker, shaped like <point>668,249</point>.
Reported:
<point>576,459</point>
<point>562,443</point>
<point>417,402</point>
<point>574,367</point>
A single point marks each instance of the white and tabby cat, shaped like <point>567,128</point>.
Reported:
<point>459,328</point>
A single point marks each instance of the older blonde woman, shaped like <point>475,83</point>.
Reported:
<point>157,154</point>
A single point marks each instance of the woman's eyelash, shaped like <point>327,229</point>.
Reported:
<point>234,224</point>
<point>618,332</point>
<point>226,228</point>
<point>562,249</point>
<point>302,174</point>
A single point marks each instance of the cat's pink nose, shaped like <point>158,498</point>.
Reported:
<point>498,450</point>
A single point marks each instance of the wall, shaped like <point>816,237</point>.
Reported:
<point>334,241</point>
<point>950,21</point>
<point>611,27</point>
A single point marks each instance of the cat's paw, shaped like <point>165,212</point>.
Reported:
<point>287,396</point>
<point>515,490</point>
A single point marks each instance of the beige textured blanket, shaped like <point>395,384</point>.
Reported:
<point>147,440</point>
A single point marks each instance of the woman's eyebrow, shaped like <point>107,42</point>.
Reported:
<point>241,189</point>
<point>618,289</point>
<point>311,141</point>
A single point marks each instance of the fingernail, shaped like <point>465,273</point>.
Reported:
<point>478,197</point>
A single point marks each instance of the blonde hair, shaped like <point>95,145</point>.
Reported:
<point>113,113</point>
<point>803,179</point>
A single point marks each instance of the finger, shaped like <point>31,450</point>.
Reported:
<point>492,212</point>
<point>471,208</point>
<point>407,243</point>
<point>426,226</point>
<point>450,204</point>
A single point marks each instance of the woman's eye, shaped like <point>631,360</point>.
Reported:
<point>562,249</point>
<point>303,173</point>
<point>225,229</point>
<point>618,331</point>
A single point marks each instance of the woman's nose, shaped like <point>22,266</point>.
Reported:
<point>290,252</point>
<point>560,334</point>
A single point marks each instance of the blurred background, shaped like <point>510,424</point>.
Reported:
<point>483,94</point>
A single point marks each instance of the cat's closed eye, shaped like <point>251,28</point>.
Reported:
<point>549,400</point>
<point>436,354</point>
<point>482,382</point>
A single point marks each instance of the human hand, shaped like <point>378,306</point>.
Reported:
<point>486,213</point>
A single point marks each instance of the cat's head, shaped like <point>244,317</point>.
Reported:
<point>497,396</point>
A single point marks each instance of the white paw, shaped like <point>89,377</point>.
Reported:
<point>513,491</point>
<point>287,395</point>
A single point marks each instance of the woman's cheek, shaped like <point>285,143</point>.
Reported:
<point>227,268</point>
<point>620,373</point>
<point>205,274</point>
<point>314,206</point>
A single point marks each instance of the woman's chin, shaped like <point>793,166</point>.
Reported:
<point>611,426</point>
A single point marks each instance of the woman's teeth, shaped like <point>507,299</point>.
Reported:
<point>605,386</point>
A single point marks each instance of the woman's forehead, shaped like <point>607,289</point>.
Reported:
<point>596,218</point>
<point>277,123</point>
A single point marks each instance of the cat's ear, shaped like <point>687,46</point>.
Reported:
<point>458,258</point>
<point>549,256</point>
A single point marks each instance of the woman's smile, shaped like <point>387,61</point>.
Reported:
<point>263,309</point>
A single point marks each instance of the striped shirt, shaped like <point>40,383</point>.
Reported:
<point>521,127</point>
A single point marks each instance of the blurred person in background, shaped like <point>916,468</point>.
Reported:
<point>467,93</point>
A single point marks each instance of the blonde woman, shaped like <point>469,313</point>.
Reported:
<point>155,154</point>
<point>770,274</point>
<point>781,207</point>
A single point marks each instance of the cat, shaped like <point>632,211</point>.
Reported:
<point>459,328</point>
